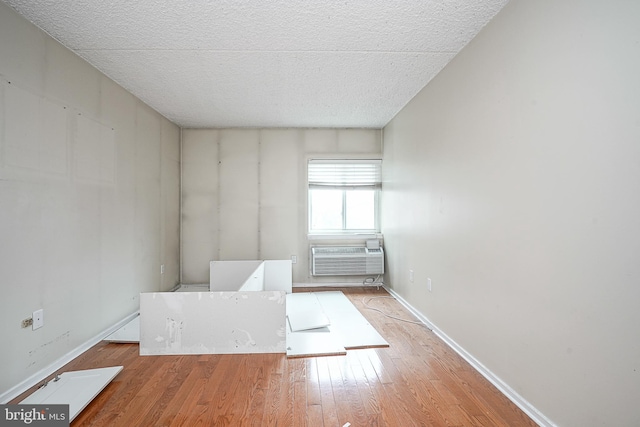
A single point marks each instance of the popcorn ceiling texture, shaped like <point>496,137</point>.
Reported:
<point>280,63</point>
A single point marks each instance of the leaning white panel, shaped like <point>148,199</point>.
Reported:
<point>250,275</point>
<point>75,388</point>
<point>212,322</point>
<point>129,333</point>
<point>278,275</point>
<point>230,275</point>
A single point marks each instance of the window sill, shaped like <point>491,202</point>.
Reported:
<point>345,236</point>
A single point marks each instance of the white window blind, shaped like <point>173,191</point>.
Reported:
<point>345,173</point>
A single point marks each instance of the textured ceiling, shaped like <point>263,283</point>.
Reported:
<point>280,63</point>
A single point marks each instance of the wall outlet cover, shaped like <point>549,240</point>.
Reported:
<point>38,319</point>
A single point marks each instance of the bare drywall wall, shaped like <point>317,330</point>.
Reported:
<point>511,181</point>
<point>244,193</point>
<point>89,200</point>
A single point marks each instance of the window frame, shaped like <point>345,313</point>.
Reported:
<point>375,186</point>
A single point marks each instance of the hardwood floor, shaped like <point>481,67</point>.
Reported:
<point>417,381</point>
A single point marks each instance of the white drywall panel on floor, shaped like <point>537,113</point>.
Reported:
<point>346,327</point>
<point>277,275</point>
<point>255,281</point>
<point>231,275</point>
<point>201,287</point>
<point>199,239</point>
<point>129,333</point>
<point>316,343</point>
<point>305,312</point>
<point>212,322</point>
<point>348,323</point>
<point>245,275</point>
<point>74,388</point>
<point>239,198</point>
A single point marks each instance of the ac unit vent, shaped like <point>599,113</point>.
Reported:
<point>346,261</point>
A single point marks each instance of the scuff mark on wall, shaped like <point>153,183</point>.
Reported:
<point>38,353</point>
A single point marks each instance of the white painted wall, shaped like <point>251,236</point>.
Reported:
<point>89,200</point>
<point>244,194</point>
<point>511,181</point>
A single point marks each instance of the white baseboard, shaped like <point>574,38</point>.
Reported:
<point>39,376</point>
<point>504,388</point>
<point>335,285</point>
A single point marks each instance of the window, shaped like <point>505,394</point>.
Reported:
<point>343,195</point>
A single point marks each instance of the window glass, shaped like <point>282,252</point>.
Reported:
<point>326,210</point>
<point>360,210</point>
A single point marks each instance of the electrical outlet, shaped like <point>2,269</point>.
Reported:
<point>38,319</point>
<point>162,269</point>
<point>294,259</point>
<point>429,284</point>
<point>27,322</point>
<point>411,276</point>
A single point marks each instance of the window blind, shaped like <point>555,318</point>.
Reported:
<point>345,173</point>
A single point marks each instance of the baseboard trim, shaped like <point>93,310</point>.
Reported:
<point>504,388</point>
<point>43,373</point>
<point>335,285</point>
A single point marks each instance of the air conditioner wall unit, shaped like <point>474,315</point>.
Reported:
<point>346,261</point>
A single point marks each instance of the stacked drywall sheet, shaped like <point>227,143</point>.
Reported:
<point>327,323</point>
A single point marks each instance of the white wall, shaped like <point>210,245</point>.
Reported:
<point>89,200</point>
<point>511,181</point>
<point>244,193</point>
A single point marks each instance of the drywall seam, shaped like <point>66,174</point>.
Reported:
<point>537,416</point>
<point>259,185</point>
<point>217,238</point>
<point>43,373</point>
<point>180,216</point>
